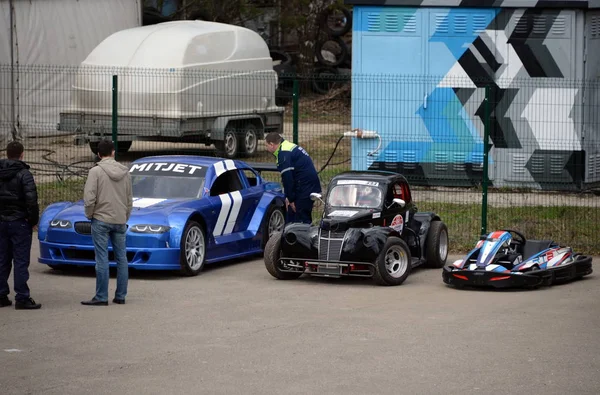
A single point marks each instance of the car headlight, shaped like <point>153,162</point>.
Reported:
<point>60,223</point>
<point>150,228</point>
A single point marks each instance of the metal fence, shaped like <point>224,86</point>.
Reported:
<point>541,174</point>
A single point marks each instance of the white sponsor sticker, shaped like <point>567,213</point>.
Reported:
<point>376,215</point>
<point>146,202</point>
<point>342,213</point>
<point>358,182</point>
<point>180,168</point>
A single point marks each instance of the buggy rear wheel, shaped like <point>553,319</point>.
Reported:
<point>393,265</point>
<point>436,245</point>
<point>272,255</point>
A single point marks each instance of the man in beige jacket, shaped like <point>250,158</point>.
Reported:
<point>108,202</point>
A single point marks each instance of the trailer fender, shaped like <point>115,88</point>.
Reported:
<point>218,130</point>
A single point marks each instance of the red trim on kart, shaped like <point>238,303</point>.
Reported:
<point>460,276</point>
<point>499,278</point>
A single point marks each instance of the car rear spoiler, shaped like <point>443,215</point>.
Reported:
<point>260,167</point>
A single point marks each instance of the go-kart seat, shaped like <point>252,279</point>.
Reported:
<point>532,247</point>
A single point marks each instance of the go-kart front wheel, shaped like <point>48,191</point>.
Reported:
<point>393,265</point>
<point>272,255</point>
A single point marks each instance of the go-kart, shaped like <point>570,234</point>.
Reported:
<point>506,259</point>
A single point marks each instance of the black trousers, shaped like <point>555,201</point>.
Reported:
<point>303,211</point>
<point>15,247</point>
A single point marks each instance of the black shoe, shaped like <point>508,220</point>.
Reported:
<point>95,302</point>
<point>27,304</point>
<point>119,301</point>
<point>5,301</point>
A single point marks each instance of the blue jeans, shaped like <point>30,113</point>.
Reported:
<point>15,248</point>
<point>101,233</point>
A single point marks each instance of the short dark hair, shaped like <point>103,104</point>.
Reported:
<point>273,138</point>
<point>105,148</point>
<point>14,149</point>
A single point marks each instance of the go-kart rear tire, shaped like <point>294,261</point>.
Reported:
<point>436,245</point>
<point>272,254</point>
<point>397,249</point>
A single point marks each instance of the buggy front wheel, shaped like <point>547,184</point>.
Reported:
<point>272,255</point>
<point>393,265</point>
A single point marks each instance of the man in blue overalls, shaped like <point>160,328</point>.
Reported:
<point>298,175</point>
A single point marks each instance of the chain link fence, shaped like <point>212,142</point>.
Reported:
<point>541,176</point>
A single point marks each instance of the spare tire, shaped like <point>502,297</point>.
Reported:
<point>324,79</point>
<point>335,20</point>
<point>280,58</point>
<point>336,47</point>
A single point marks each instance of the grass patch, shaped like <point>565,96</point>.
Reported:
<point>577,227</point>
<point>52,192</point>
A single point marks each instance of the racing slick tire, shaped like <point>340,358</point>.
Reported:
<point>192,254</point>
<point>274,222</point>
<point>272,254</point>
<point>393,265</point>
<point>436,245</point>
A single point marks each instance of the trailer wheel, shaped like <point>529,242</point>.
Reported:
<point>228,148</point>
<point>248,140</point>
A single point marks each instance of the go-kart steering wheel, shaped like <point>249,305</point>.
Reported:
<point>520,241</point>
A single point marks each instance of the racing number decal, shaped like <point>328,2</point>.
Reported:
<point>397,223</point>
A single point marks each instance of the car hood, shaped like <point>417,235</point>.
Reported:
<point>340,219</point>
<point>142,208</point>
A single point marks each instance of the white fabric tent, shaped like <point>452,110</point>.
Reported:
<point>50,38</point>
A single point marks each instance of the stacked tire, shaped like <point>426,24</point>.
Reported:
<point>332,52</point>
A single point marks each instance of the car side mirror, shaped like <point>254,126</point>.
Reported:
<point>399,202</point>
<point>315,196</point>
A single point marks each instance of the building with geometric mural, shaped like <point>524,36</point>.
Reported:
<point>420,72</point>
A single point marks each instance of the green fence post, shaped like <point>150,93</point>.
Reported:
<point>486,136</point>
<point>295,97</point>
<point>115,106</point>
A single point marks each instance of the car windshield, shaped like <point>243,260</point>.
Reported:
<point>352,195</point>
<point>166,187</point>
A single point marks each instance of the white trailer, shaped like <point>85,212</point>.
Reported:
<point>180,81</point>
<point>42,43</point>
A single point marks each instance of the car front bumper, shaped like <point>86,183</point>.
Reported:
<point>482,278</point>
<point>321,268</point>
<point>83,255</point>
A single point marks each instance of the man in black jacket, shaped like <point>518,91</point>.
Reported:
<point>19,214</point>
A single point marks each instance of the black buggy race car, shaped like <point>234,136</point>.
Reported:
<point>370,228</point>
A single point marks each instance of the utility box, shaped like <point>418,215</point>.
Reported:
<point>181,81</point>
<point>420,74</point>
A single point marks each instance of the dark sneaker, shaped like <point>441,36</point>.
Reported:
<point>95,302</point>
<point>119,301</point>
<point>5,301</point>
<point>27,304</point>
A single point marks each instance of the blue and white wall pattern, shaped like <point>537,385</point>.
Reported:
<point>419,78</point>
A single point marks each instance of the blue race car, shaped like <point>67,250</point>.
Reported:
<point>187,211</point>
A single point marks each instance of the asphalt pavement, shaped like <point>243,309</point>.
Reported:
<point>236,330</point>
